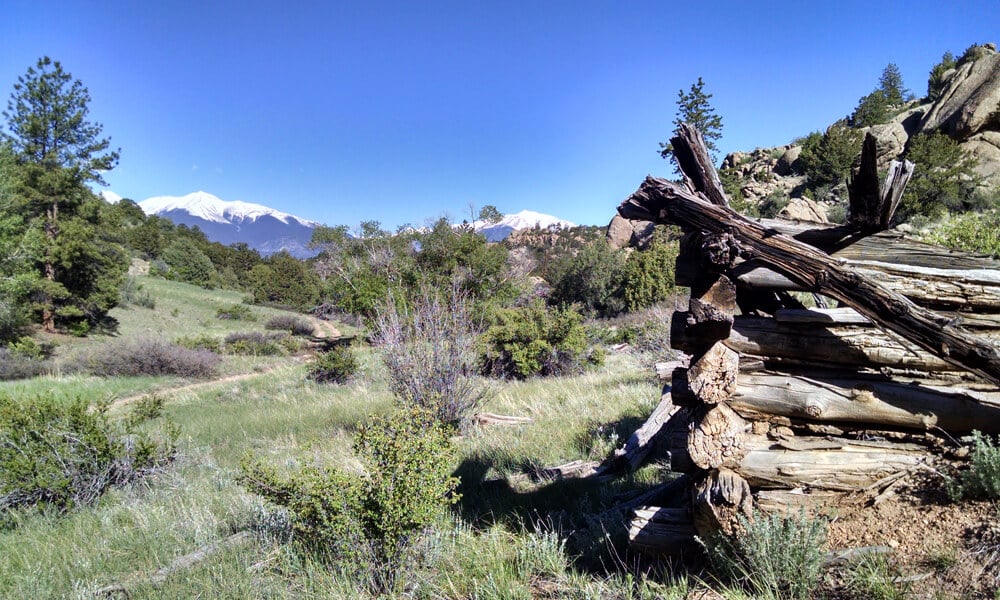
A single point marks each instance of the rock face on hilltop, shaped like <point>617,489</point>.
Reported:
<point>968,110</point>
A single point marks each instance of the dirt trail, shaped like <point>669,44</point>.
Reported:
<point>324,329</point>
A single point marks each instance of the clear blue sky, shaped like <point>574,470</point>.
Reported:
<point>406,111</point>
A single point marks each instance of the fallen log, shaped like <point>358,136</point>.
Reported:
<point>845,346</point>
<point>662,201</point>
<point>663,532</point>
<point>825,463</point>
<point>641,443</point>
<point>864,401</point>
<point>791,502</point>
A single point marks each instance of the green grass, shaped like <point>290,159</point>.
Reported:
<point>502,542</point>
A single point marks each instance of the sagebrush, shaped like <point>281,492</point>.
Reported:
<point>148,356</point>
<point>337,365</point>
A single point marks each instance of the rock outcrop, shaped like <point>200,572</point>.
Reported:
<point>970,100</point>
<point>623,233</point>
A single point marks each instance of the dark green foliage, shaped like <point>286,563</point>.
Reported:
<point>772,556</point>
<point>982,478</point>
<point>60,453</point>
<point>971,232</point>
<point>535,340</point>
<point>873,109</point>
<point>189,264</point>
<point>290,323</point>
<point>890,83</point>
<point>235,312</point>
<point>827,159</point>
<point>936,80</point>
<point>592,279</point>
<point>429,349</point>
<point>149,356</point>
<point>338,365</point>
<point>367,524</point>
<point>201,342</point>
<point>254,343</point>
<point>58,152</point>
<point>944,179</point>
<point>693,107</point>
<point>490,214</point>
<point>283,280</point>
<point>648,276</point>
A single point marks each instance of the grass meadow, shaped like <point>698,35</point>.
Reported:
<point>501,541</point>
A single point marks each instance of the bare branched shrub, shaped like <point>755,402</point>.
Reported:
<point>429,347</point>
<point>147,356</point>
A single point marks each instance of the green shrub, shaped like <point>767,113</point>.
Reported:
<point>982,479</point>
<point>944,179</point>
<point>429,350</point>
<point>367,524</point>
<point>936,79</point>
<point>186,262</point>
<point>338,365</point>
<point>63,453</point>
<point>13,366</point>
<point>648,276</point>
<point>253,343</point>
<point>290,323</point>
<point>133,294</point>
<point>772,556</point>
<point>535,340</point>
<point>201,341</point>
<point>236,312</point>
<point>874,577</point>
<point>971,232</point>
<point>27,347</point>
<point>148,356</point>
<point>827,158</point>
<point>592,279</point>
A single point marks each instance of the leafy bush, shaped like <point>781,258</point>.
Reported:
<point>592,279</point>
<point>186,262</point>
<point>982,479</point>
<point>827,159</point>
<point>290,323</point>
<point>149,356</point>
<point>201,342</point>
<point>648,276</point>
<point>772,556</point>
<point>27,347</point>
<point>133,294</point>
<point>367,524</point>
<point>535,340</point>
<point>944,178</point>
<point>971,232</point>
<point>14,366</point>
<point>63,453</point>
<point>236,312</point>
<point>253,343</point>
<point>338,365</point>
<point>429,348</point>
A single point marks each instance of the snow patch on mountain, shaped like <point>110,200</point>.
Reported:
<point>110,197</point>
<point>211,208</point>
<point>526,219</point>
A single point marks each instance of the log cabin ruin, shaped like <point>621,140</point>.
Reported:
<point>785,407</point>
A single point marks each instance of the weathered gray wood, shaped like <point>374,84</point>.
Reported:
<point>666,532</point>
<point>791,502</point>
<point>710,379</point>
<point>717,437</point>
<point>879,403</point>
<point>665,202</point>
<point>851,466</point>
<point>696,164</point>
<point>718,501</point>
<point>641,443</point>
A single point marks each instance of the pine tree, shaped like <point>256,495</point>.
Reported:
<point>935,82</point>
<point>693,107</point>
<point>891,85</point>
<point>59,151</point>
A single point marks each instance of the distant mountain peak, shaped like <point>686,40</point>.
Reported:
<point>526,219</point>
<point>266,229</point>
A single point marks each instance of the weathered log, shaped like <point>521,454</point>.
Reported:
<point>672,494</point>
<point>841,465</point>
<point>641,443</point>
<point>791,502</point>
<point>665,202</point>
<point>878,403</point>
<point>676,433</point>
<point>871,204</point>
<point>717,437</point>
<point>718,501</point>
<point>659,531</point>
<point>492,419</point>
<point>830,346</point>
<point>696,164</point>
<point>710,379</point>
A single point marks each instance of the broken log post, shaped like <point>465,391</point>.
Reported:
<point>641,443</point>
<point>871,204</point>
<point>662,201</point>
<point>663,532</point>
<point>717,437</point>
<point>710,379</point>
<point>880,403</point>
<point>718,501</point>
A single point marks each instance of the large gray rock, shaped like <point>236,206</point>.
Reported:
<point>969,100</point>
<point>985,148</point>
<point>623,233</point>
<point>890,141</point>
<point>804,209</point>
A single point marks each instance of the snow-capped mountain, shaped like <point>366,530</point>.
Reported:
<point>266,229</point>
<point>526,219</point>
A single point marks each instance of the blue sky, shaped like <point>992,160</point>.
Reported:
<point>406,111</point>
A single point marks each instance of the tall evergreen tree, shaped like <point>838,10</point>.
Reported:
<point>59,151</point>
<point>891,84</point>
<point>694,107</point>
